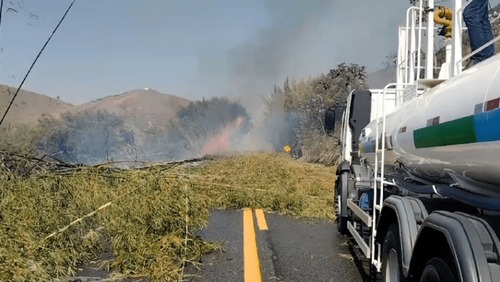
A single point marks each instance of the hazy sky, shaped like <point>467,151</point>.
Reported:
<point>190,48</point>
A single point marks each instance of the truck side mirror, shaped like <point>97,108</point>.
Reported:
<point>330,121</point>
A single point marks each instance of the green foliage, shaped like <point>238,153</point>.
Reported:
<point>274,182</point>
<point>391,60</point>
<point>156,146</point>
<point>92,137</point>
<point>87,137</point>
<point>30,210</point>
<point>145,226</point>
<point>304,103</point>
<point>17,139</point>
<point>195,125</point>
<point>150,225</point>
<point>278,125</point>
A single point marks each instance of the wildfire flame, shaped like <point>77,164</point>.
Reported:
<point>221,142</point>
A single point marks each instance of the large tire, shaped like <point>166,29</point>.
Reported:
<point>391,256</point>
<point>341,198</point>
<point>342,225</point>
<point>439,269</point>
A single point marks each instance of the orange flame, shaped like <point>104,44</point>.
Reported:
<point>222,142</point>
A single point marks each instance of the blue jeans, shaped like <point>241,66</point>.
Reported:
<point>479,27</point>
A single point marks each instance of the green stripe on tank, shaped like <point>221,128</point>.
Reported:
<point>459,131</point>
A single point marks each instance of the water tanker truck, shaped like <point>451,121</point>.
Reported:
<point>418,181</point>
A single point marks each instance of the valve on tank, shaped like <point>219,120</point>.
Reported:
<point>443,16</point>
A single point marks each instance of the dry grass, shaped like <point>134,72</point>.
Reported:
<point>274,182</point>
<point>154,213</point>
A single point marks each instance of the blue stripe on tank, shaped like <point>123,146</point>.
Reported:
<point>487,126</point>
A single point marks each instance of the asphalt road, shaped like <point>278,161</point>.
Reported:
<point>289,250</point>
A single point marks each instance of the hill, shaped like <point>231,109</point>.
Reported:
<point>143,107</point>
<point>29,106</point>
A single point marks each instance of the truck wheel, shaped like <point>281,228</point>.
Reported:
<point>342,203</point>
<point>342,225</point>
<point>391,256</point>
<point>439,269</point>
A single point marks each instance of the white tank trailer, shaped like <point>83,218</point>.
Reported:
<point>418,181</point>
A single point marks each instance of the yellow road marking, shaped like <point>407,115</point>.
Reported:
<point>251,256</point>
<point>261,219</point>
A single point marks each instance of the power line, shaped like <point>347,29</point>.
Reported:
<point>36,59</point>
<point>1,11</point>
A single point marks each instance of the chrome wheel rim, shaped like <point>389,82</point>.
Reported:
<point>392,269</point>
<point>339,207</point>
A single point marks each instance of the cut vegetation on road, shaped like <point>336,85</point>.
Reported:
<point>54,220</point>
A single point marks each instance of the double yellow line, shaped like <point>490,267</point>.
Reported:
<point>251,254</point>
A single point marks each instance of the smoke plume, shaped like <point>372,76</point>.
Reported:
<point>301,40</point>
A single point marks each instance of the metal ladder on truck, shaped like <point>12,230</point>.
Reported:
<point>415,75</point>
<point>410,83</point>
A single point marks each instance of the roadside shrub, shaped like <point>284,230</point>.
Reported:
<point>209,126</point>
<point>304,103</point>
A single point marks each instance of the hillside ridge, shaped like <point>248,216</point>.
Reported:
<point>148,106</point>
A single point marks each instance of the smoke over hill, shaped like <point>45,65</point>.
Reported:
<point>303,39</point>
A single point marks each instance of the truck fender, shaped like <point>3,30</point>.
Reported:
<point>406,211</point>
<point>342,186</point>
<point>469,240</point>
<point>344,166</point>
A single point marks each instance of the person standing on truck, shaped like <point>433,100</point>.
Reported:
<point>479,28</point>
